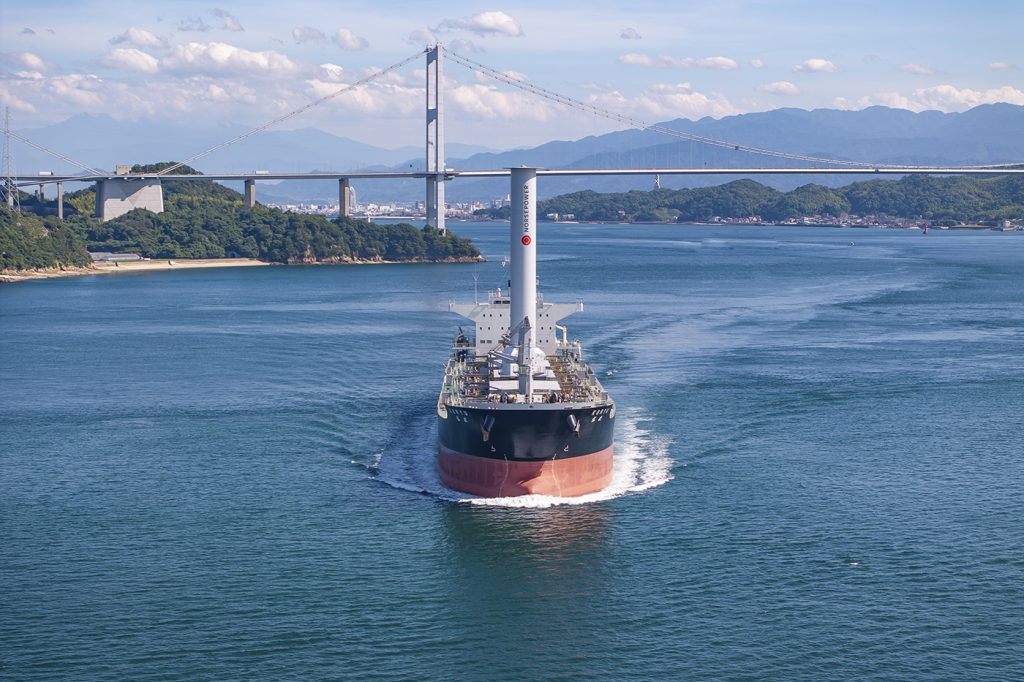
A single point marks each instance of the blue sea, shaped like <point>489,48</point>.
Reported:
<point>228,473</point>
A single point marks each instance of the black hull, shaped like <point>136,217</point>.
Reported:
<point>521,433</point>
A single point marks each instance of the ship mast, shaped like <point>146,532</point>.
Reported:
<point>523,268</point>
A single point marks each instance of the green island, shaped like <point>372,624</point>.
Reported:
<point>204,220</point>
<point>942,201</point>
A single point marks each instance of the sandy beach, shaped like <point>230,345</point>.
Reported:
<point>107,267</point>
<point>110,268</point>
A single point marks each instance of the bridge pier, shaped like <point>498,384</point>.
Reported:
<point>344,209</point>
<point>117,196</point>
<point>60,200</point>
<point>250,193</point>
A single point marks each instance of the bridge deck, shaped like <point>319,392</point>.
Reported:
<point>452,174</point>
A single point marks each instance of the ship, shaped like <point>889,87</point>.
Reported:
<point>520,412</point>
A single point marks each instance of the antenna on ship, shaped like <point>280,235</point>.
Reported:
<point>476,297</point>
<point>10,188</point>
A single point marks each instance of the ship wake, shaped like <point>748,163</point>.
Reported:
<point>642,462</point>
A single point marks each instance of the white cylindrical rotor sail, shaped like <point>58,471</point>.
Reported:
<point>523,259</point>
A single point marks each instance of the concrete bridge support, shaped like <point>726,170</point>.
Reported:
<point>60,200</point>
<point>250,193</point>
<point>117,196</point>
<point>344,208</point>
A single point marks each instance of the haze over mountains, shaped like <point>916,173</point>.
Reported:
<point>992,133</point>
<point>103,142</point>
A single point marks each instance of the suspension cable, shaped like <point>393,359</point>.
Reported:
<point>296,112</point>
<point>637,123</point>
<point>51,152</point>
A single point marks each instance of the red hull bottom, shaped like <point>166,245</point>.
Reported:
<point>501,478</point>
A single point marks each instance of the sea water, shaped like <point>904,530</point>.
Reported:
<point>229,474</point>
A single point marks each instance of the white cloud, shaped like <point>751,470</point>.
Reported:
<point>216,82</point>
<point>815,66</point>
<point>482,100</point>
<point>220,96</point>
<point>918,69</point>
<point>784,88</point>
<point>9,99</point>
<point>347,40</point>
<point>130,59</point>
<point>757,63</point>
<point>716,63</point>
<point>1001,66</point>
<point>637,59</point>
<point>221,58</point>
<point>422,36</point>
<point>26,60</point>
<point>81,90</point>
<point>389,99</point>
<point>332,73</point>
<point>667,100</point>
<point>193,24</point>
<point>943,97</point>
<point>464,46</point>
<point>494,22</point>
<point>418,79</point>
<point>666,61</point>
<point>397,95</point>
<point>630,34</point>
<point>212,97</point>
<point>215,93</point>
<point>140,37</point>
<point>307,34</point>
<point>230,23</point>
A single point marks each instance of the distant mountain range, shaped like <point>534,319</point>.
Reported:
<point>103,142</point>
<point>990,133</point>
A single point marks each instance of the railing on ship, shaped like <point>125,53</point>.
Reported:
<point>577,382</point>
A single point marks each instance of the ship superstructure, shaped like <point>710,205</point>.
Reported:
<point>520,412</point>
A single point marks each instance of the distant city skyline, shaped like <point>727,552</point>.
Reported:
<point>224,63</point>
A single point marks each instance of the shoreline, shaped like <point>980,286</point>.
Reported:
<point>111,267</point>
<point>161,265</point>
<point>944,228</point>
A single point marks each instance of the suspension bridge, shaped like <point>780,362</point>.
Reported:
<point>121,191</point>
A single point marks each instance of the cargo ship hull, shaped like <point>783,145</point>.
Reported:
<point>560,451</point>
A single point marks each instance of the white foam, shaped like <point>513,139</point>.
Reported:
<point>641,462</point>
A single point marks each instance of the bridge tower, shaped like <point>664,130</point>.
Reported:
<point>10,188</point>
<point>435,140</point>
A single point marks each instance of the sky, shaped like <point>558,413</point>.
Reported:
<point>225,64</point>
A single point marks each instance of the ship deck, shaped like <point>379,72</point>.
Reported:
<point>567,380</point>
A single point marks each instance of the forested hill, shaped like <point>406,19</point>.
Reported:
<point>943,200</point>
<point>203,219</point>
<point>28,241</point>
